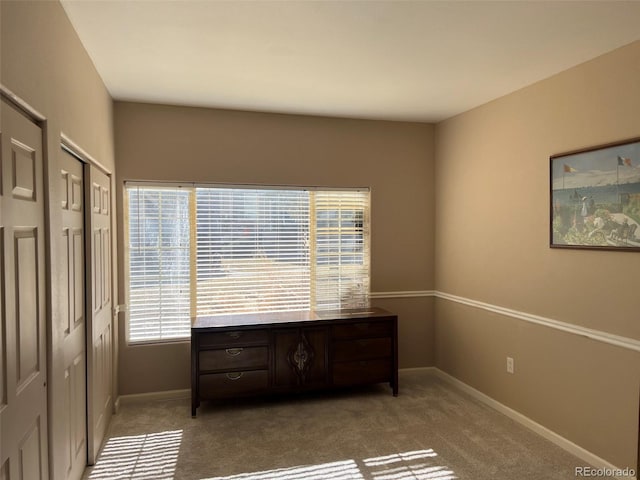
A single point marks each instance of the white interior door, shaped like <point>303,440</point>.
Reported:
<point>99,317</point>
<point>67,385</point>
<point>23,391</point>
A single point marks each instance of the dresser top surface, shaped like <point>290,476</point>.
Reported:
<point>299,316</point>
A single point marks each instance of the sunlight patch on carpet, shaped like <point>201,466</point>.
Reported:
<point>344,470</point>
<point>414,465</point>
<point>150,456</point>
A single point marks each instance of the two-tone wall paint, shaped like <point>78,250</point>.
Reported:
<point>492,231</point>
<point>491,228</point>
<point>461,208</point>
<point>394,159</point>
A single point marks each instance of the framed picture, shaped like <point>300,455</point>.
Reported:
<point>595,197</point>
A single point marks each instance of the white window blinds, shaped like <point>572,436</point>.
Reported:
<point>159,263</point>
<point>252,253</point>
<point>226,250</point>
<point>341,276</point>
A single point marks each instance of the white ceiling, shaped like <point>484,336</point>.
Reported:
<point>397,60</point>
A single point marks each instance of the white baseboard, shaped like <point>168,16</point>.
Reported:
<point>418,369</point>
<point>186,393</point>
<point>583,454</point>
<point>143,397</point>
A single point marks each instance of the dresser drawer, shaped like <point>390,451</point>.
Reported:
<point>233,338</point>
<point>361,349</point>
<point>361,372</point>
<point>362,330</point>
<point>234,358</point>
<point>216,385</point>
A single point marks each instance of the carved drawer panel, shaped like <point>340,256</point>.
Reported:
<point>216,385</point>
<point>362,330</point>
<point>361,349</point>
<point>300,357</point>
<point>233,338</point>
<point>234,358</point>
<point>361,372</point>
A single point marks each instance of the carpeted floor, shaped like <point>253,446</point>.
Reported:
<point>430,431</point>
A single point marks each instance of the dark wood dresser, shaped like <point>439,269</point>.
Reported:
<point>257,354</point>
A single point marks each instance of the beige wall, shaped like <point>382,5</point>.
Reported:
<point>395,159</point>
<point>44,63</point>
<point>492,231</point>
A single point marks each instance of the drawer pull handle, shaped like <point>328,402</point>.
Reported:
<point>232,352</point>
<point>235,335</point>
<point>234,376</point>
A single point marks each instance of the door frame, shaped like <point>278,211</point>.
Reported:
<point>40,121</point>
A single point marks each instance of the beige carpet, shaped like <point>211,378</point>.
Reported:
<point>431,431</point>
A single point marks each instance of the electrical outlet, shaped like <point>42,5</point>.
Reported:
<point>510,365</point>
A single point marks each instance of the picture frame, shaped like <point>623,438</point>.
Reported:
<point>595,197</point>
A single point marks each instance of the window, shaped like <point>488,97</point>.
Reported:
<point>210,250</point>
<point>159,263</point>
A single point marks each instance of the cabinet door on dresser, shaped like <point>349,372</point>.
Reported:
<point>301,357</point>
